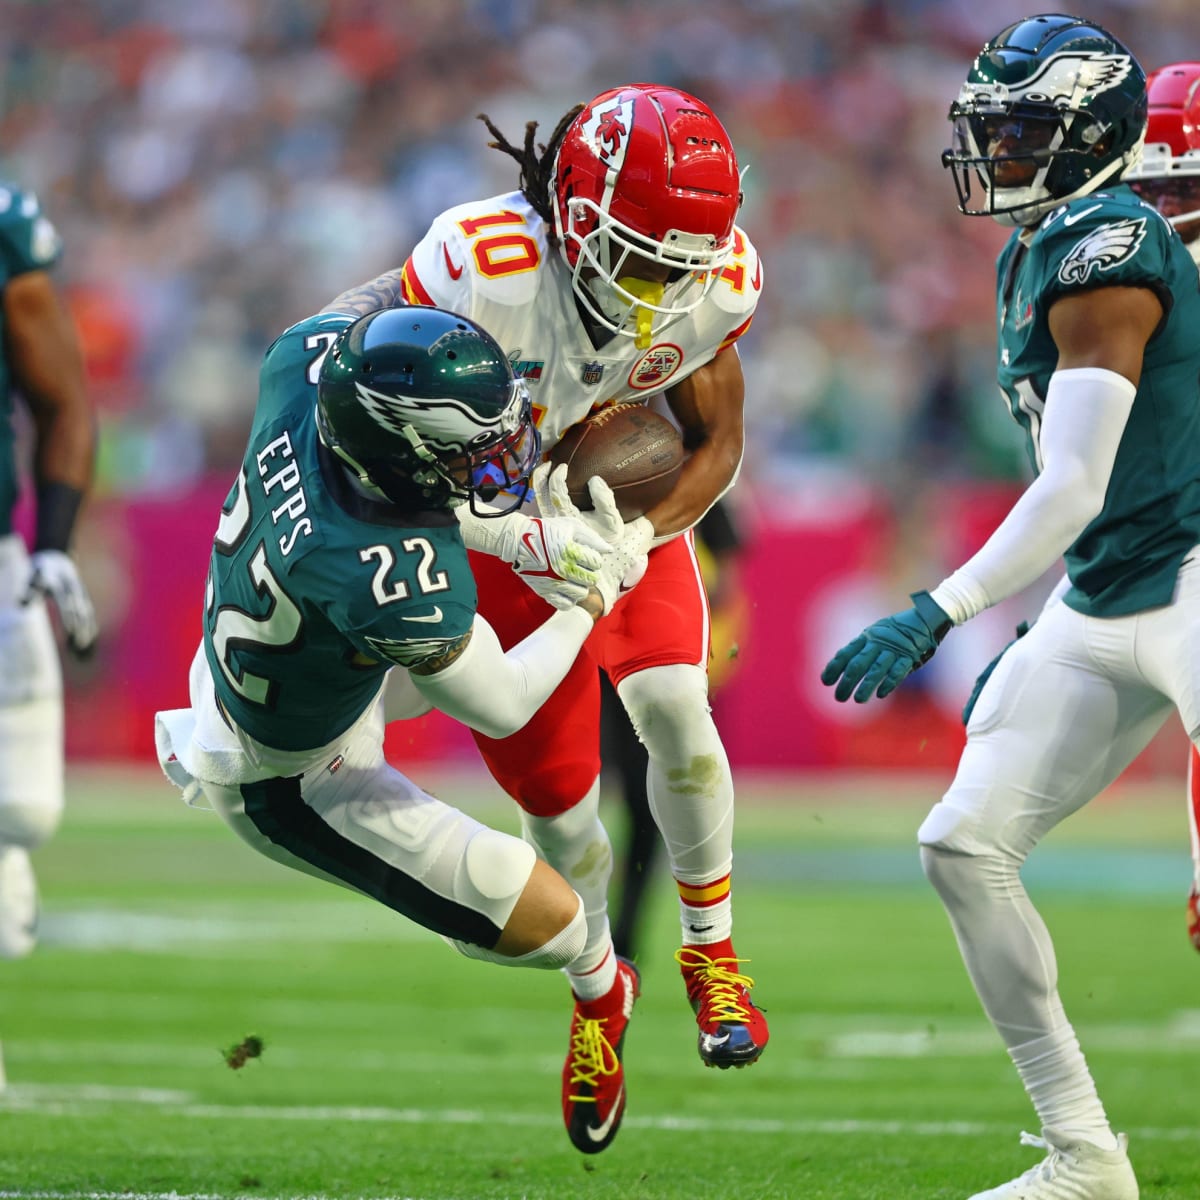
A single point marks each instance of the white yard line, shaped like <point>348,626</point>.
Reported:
<point>150,1196</point>
<point>67,1101</point>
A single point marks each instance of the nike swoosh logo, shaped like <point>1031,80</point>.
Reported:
<point>543,570</point>
<point>431,618</point>
<point>599,1132</point>
<point>711,1042</point>
<point>1073,217</point>
<point>455,272</point>
<point>530,541</point>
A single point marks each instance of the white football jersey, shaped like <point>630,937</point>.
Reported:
<point>490,260</point>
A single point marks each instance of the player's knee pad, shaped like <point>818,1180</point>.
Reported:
<point>29,824</point>
<point>493,872</point>
<point>560,951</point>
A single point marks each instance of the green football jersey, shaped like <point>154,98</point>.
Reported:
<point>28,242</point>
<point>315,591</point>
<point>1127,558</point>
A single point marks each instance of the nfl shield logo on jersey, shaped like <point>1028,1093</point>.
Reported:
<point>592,372</point>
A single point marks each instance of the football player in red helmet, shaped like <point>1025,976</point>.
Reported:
<point>616,273</point>
<point>1169,174</point>
<point>1169,178</point>
<point>645,192</point>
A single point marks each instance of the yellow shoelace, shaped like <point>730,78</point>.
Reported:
<point>722,987</point>
<point>592,1055</point>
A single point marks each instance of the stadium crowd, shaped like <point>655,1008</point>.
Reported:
<point>219,170</point>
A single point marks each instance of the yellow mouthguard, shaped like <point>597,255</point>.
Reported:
<point>643,289</point>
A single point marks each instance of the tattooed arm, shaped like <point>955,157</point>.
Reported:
<point>381,292</point>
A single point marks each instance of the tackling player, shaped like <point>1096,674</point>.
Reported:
<point>339,597</point>
<point>1098,309</point>
<point>41,360</point>
<point>614,274</point>
<point>1169,178</point>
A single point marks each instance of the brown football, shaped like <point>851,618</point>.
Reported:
<point>635,450</point>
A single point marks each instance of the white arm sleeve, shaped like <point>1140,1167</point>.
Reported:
<point>1085,415</point>
<point>496,693</point>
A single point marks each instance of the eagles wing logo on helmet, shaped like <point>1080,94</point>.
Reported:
<point>606,131</point>
<point>445,423</point>
<point>1102,249</point>
<point>1069,78</point>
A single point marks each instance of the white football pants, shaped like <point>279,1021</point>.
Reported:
<point>1068,707</point>
<point>31,708</point>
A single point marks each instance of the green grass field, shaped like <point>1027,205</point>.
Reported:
<point>394,1068</point>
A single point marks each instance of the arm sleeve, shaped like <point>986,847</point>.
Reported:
<point>1085,415</point>
<point>496,693</point>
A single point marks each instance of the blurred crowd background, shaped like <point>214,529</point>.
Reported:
<point>221,169</point>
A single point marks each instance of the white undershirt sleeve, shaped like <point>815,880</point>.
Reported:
<point>495,692</point>
<point>1084,419</point>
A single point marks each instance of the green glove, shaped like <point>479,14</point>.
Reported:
<point>986,673</point>
<point>884,653</point>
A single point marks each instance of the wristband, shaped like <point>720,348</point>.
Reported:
<point>57,507</point>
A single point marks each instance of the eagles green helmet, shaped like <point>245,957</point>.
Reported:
<point>421,404</point>
<point>1053,107</point>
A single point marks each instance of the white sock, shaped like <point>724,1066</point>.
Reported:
<point>1059,1084</point>
<point>704,926</point>
<point>591,985</point>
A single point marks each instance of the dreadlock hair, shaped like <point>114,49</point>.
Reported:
<point>536,163</point>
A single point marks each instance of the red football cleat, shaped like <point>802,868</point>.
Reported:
<point>733,1032</point>
<point>1193,918</point>
<point>593,1092</point>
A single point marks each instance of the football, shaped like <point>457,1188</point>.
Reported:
<point>635,450</point>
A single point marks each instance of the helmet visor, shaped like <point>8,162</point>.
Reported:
<point>497,473</point>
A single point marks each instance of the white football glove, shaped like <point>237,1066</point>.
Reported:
<point>629,542</point>
<point>633,539</point>
<point>559,557</point>
<point>54,576</point>
<point>619,575</point>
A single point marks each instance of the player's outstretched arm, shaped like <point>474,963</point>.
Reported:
<point>879,659</point>
<point>496,692</point>
<point>47,365</point>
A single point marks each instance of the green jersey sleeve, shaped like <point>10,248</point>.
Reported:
<point>1103,240</point>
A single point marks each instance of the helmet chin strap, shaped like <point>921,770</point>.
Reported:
<point>644,290</point>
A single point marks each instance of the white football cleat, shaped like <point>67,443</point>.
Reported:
<point>18,903</point>
<point>1073,1169</point>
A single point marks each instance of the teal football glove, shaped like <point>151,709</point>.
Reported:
<point>884,653</point>
<point>986,673</point>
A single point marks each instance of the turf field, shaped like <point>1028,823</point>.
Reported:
<point>393,1068</point>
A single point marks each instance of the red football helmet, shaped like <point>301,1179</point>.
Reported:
<point>1169,174</point>
<point>645,172</point>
